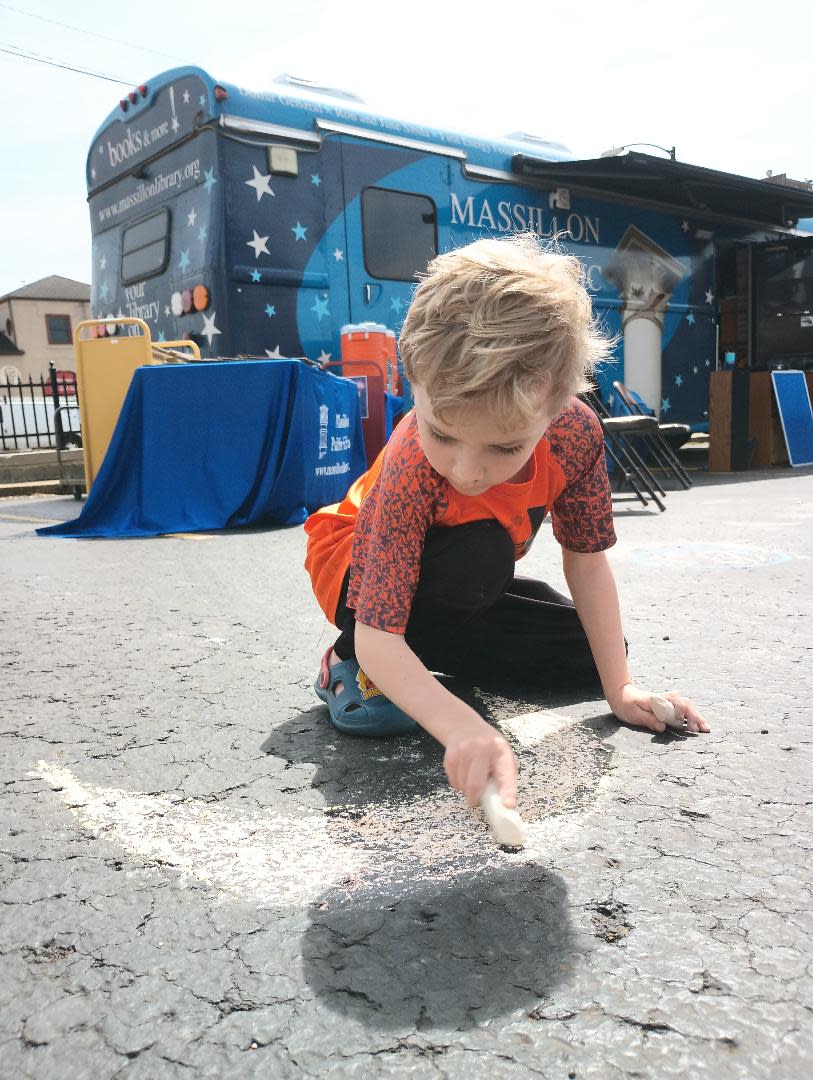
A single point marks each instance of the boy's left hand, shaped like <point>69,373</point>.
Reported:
<point>633,707</point>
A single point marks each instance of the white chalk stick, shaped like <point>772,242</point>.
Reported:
<point>506,825</point>
<point>663,708</point>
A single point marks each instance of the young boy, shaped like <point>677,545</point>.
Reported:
<point>415,567</point>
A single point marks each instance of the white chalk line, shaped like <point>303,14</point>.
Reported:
<point>271,859</point>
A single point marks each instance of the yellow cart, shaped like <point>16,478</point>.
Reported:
<point>104,368</point>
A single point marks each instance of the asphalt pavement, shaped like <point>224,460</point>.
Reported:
<point>200,878</point>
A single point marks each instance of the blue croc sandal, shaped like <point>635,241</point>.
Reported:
<point>360,708</point>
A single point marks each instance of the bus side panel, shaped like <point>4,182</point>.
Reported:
<point>184,181</point>
<point>366,297</point>
<point>282,236</point>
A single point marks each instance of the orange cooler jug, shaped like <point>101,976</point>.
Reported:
<point>369,341</point>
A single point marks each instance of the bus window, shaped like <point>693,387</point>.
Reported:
<point>145,247</point>
<point>400,233</point>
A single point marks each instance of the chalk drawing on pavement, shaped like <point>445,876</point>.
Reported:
<point>286,858</point>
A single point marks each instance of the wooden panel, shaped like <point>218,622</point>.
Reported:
<point>760,426</point>
<point>764,423</point>
<point>720,421</point>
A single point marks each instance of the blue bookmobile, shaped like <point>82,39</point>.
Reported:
<point>259,223</point>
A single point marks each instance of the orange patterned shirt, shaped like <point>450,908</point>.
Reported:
<point>378,529</point>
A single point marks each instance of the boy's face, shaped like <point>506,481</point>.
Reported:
<point>471,451</point>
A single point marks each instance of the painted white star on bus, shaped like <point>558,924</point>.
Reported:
<point>275,354</point>
<point>190,217</point>
<point>209,329</point>
<point>261,183</point>
<point>259,243</point>
<point>338,255</point>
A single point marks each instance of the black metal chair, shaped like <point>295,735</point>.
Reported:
<point>663,436</point>
<point>622,453</point>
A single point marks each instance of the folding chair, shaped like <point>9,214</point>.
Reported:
<point>660,441</point>
<point>617,430</point>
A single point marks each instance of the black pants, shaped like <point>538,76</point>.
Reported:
<point>472,618</point>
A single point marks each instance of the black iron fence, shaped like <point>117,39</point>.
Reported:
<point>36,414</point>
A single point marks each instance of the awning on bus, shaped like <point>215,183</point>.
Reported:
<point>686,188</point>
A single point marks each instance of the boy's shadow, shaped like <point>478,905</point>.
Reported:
<point>444,954</point>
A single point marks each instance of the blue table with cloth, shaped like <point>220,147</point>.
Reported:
<point>221,445</point>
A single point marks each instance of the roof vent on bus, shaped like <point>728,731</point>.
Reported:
<point>538,141</point>
<point>317,88</point>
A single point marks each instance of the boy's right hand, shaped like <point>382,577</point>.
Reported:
<point>475,754</point>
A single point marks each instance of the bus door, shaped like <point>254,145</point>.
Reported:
<point>393,196</point>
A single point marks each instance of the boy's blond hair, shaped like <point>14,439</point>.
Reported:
<point>501,320</point>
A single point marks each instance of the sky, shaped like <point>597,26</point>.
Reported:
<point>727,84</point>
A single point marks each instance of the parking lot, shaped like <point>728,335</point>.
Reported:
<point>201,878</point>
